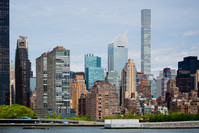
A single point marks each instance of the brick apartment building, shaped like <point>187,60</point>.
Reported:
<point>101,100</point>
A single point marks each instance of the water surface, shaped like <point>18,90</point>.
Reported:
<point>62,129</point>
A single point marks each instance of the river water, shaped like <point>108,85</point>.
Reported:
<point>58,129</point>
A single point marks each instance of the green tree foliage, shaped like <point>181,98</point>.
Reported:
<point>86,117</point>
<point>130,115</point>
<point>54,116</point>
<point>16,111</point>
<point>173,116</point>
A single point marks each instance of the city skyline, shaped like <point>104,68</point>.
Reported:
<point>91,29</point>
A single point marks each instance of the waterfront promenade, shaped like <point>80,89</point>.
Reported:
<point>121,125</point>
<point>47,122</point>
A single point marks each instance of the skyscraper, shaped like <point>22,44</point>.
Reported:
<point>22,72</point>
<point>128,80</point>
<point>93,70</point>
<point>118,53</point>
<point>79,87</point>
<point>58,82</point>
<point>186,74</point>
<point>164,77</point>
<point>113,78</point>
<point>4,52</point>
<point>146,41</point>
<point>41,85</point>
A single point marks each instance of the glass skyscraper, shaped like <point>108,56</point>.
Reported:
<point>146,41</point>
<point>4,52</point>
<point>93,70</point>
<point>118,53</point>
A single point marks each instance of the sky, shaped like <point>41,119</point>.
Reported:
<point>88,26</point>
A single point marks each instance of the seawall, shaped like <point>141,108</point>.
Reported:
<point>135,124</point>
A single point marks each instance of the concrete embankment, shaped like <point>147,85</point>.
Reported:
<point>170,125</point>
<point>135,124</point>
<point>81,123</point>
<point>118,124</point>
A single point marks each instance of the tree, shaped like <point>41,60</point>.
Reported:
<point>16,111</point>
<point>54,115</point>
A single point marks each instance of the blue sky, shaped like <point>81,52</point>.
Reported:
<point>88,26</point>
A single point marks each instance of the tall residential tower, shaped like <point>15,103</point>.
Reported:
<point>58,82</point>
<point>41,85</point>
<point>4,52</point>
<point>146,41</point>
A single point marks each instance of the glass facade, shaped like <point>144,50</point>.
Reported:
<point>32,85</point>
<point>118,53</point>
<point>93,74</point>
<point>146,41</point>
<point>4,52</point>
<point>93,70</point>
<point>62,80</point>
<point>92,61</point>
<point>113,78</point>
<point>153,84</point>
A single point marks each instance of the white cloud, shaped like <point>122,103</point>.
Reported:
<point>88,26</point>
<point>169,57</point>
<point>191,33</point>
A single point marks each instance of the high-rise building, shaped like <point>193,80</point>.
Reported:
<point>41,85</point>
<point>186,74</point>
<point>12,83</point>
<point>140,76</point>
<point>4,53</point>
<point>32,84</point>
<point>79,87</point>
<point>159,83</point>
<point>128,80</point>
<point>58,82</point>
<point>73,77</point>
<point>113,78</point>
<point>144,88</point>
<point>190,63</point>
<point>101,101</point>
<point>146,41</point>
<point>164,77</point>
<point>118,53</point>
<point>93,70</point>
<point>153,83</point>
<point>92,61</point>
<point>22,72</point>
